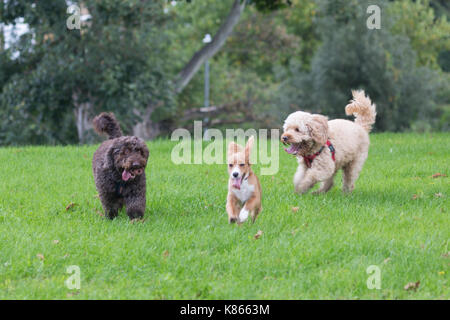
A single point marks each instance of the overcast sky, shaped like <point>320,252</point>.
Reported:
<point>12,32</point>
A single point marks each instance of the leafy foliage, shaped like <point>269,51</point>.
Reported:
<point>113,63</point>
<point>428,35</point>
<point>282,56</point>
<point>353,56</point>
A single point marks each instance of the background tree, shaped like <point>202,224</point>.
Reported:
<point>141,59</point>
<point>62,77</point>
<point>352,56</point>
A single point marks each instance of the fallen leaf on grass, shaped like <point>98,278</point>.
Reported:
<point>446,255</point>
<point>137,220</point>
<point>295,209</point>
<point>437,175</point>
<point>70,206</point>
<point>55,241</point>
<point>71,294</point>
<point>386,260</point>
<point>166,253</point>
<point>412,286</point>
<point>415,196</point>
<point>441,273</point>
<point>101,214</point>
<point>438,195</point>
<point>258,234</point>
<point>40,256</point>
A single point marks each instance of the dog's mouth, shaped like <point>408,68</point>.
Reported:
<point>237,182</point>
<point>293,148</point>
<point>128,174</point>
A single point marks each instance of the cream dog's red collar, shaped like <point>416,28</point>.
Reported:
<point>309,159</point>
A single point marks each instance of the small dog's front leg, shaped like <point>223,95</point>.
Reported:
<point>243,215</point>
<point>232,209</point>
<point>251,207</point>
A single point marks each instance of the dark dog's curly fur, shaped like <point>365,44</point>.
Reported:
<point>119,169</point>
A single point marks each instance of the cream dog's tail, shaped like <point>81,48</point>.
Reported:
<point>363,109</point>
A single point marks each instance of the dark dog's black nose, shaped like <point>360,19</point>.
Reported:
<point>235,174</point>
<point>285,138</point>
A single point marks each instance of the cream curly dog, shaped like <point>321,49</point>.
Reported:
<point>322,147</point>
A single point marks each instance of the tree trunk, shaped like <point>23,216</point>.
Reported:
<point>211,48</point>
<point>2,35</point>
<point>146,129</point>
<point>83,123</point>
<point>2,39</point>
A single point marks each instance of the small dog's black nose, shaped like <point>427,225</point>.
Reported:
<point>235,174</point>
<point>285,138</point>
<point>136,164</point>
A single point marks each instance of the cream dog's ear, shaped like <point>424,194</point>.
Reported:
<point>233,148</point>
<point>318,128</point>
<point>248,148</point>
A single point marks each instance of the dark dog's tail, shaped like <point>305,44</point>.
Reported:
<point>106,123</point>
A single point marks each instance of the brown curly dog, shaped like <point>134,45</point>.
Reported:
<point>119,169</point>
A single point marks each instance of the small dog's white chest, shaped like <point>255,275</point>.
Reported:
<point>245,192</point>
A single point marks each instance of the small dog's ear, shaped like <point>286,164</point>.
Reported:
<point>248,148</point>
<point>318,128</point>
<point>233,148</point>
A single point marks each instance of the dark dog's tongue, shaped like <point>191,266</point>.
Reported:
<point>126,175</point>
<point>292,149</point>
<point>237,183</point>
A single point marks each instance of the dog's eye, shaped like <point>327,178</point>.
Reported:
<point>230,165</point>
<point>296,129</point>
<point>242,164</point>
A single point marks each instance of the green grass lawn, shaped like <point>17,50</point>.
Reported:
<point>397,219</point>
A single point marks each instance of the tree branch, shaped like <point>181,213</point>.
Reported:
<point>210,49</point>
<point>198,113</point>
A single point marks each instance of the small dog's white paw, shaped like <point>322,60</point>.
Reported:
<point>243,215</point>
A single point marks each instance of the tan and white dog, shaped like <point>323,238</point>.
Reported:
<point>244,190</point>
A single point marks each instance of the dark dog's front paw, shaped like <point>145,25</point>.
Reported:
<point>135,215</point>
<point>111,214</point>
